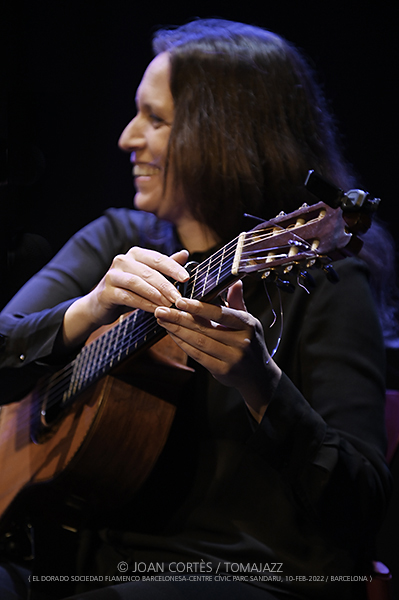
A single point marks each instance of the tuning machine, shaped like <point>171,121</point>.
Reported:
<point>284,285</point>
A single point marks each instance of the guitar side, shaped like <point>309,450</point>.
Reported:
<point>102,450</point>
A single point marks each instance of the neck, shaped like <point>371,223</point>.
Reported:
<point>195,236</point>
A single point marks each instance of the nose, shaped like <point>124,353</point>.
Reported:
<point>131,137</point>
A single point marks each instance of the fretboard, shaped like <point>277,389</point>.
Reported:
<point>136,331</point>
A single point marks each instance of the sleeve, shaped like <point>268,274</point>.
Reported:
<point>30,323</point>
<point>324,428</point>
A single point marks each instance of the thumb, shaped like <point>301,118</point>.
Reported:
<point>180,257</point>
<point>235,296</point>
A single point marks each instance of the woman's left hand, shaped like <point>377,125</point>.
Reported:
<point>227,341</point>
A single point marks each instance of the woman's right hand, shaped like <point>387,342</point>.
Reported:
<point>137,279</point>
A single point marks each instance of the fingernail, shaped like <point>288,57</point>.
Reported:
<point>161,311</point>
<point>175,296</point>
<point>184,276</point>
<point>181,303</point>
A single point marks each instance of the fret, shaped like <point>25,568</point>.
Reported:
<point>212,273</point>
<point>125,323</point>
<point>220,265</point>
<point>96,344</point>
<point>83,369</point>
<point>206,276</point>
<point>100,344</point>
<point>113,344</point>
<point>194,282</point>
<point>76,373</point>
<point>136,314</point>
<point>108,336</point>
<point>89,368</point>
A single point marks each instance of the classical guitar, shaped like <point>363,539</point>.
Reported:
<point>93,428</point>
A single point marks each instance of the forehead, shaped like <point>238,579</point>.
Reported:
<point>154,88</point>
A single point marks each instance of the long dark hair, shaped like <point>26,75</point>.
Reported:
<point>250,121</point>
<point>253,119</point>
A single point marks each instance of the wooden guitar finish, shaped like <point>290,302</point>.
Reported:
<point>105,446</point>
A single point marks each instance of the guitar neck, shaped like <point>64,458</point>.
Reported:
<point>139,329</point>
<point>287,240</point>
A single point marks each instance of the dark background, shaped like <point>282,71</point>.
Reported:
<point>73,68</point>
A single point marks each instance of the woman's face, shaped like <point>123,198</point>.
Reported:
<point>147,136</point>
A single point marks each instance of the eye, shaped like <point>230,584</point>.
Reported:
<point>156,121</point>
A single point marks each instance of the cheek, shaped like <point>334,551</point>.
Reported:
<point>160,145</point>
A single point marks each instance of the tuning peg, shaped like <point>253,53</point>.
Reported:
<point>331,274</point>
<point>285,286</point>
<point>306,280</point>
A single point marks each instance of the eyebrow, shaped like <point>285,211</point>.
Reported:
<point>150,108</point>
<point>146,106</point>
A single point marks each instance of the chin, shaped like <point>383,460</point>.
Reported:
<point>146,203</point>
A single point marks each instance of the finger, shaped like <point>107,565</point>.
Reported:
<point>180,257</point>
<point>168,265</point>
<point>134,291</point>
<point>147,269</point>
<point>235,297</point>
<point>225,316</point>
<point>203,356</point>
<point>202,333</point>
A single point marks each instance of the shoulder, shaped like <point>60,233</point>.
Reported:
<point>351,288</point>
<point>121,228</point>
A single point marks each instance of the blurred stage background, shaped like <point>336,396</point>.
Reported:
<point>73,70</point>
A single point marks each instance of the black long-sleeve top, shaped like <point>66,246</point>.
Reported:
<point>305,488</point>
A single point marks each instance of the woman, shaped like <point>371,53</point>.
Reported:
<point>274,467</point>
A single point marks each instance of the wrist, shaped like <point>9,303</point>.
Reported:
<point>258,392</point>
<point>79,322</point>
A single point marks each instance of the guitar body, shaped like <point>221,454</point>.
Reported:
<point>100,451</point>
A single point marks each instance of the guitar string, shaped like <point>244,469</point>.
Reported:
<point>138,331</point>
<point>58,391</point>
<point>99,349</point>
<point>147,324</point>
<point>103,362</point>
<point>105,359</point>
<point>205,266</point>
<point>119,346</point>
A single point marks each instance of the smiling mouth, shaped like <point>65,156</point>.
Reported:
<point>144,170</point>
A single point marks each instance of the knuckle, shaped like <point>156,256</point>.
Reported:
<point>158,258</point>
<point>164,286</point>
<point>133,251</point>
<point>200,341</point>
<point>177,317</point>
<point>125,297</point>
<point>119,259</point>
<point>146,273</point>
<point>244,343</point>
<point>224,369</point>
<point>153,295</point>
<point>221,370</point>
<point>110,276</point>
<point>131,281</point>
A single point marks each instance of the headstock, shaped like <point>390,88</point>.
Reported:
<point>309,234</point>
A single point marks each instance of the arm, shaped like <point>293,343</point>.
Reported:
<point>323,419</point>
<point>32,323</point>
